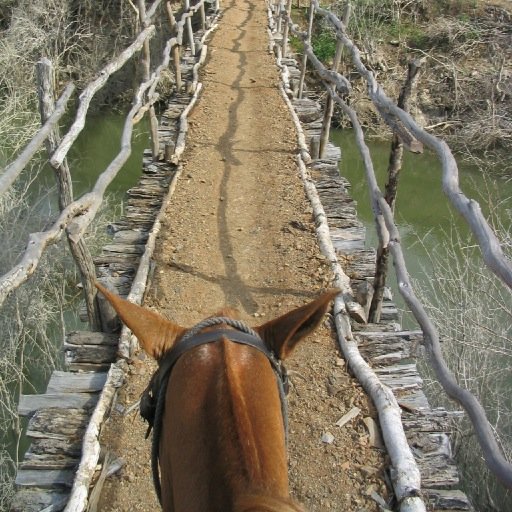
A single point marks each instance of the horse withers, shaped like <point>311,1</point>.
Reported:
<point>217,406</point>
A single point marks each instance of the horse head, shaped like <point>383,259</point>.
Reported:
<point>217,406</point>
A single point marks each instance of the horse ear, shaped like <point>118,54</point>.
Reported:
<point>156,334</point>
<point>282,334</point>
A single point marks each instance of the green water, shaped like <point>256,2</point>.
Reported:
<point>423,214</point>
<point>92,152</point>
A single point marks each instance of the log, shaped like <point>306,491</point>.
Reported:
<point>13,170</point>
<point>91,89</point>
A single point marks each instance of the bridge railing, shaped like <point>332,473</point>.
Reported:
<point>77,214</point>
<point>401,123</point>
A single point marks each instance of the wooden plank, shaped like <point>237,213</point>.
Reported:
<point>447,499</point>
<point>89,353</point>
<point>124,248</point>
<point>67,382</point>
<point>438,472</point>
<point>88,367</point>
<point>42,462</point>
<point>92,338</point>
<point>36,500</point>
<point>58,423</point>
<point>29,404</point>
<point>388,348</point>
<point>45,479</point>
<point>48,447</point>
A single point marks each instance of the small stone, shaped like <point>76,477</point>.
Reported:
<point>328,438</point>
<point>119,408</point>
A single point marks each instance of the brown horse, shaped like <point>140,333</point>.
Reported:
<point>221,441</point>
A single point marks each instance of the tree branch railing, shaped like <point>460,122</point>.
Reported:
<point>14,169</point>
<point>492,253</point>
<point>78,215</point>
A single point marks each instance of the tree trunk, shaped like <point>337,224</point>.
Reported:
<point>391,191</point>
<point>79,250</point>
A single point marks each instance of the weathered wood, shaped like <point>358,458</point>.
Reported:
<point>49,461</point>
<point>80,252</point>
<point>329,103</point>
<point>57,423</point>
<point>89,353</point>
<point>13,170</point>
<point>31,403</point>
<point>190,31</point>
<point>66,382</point>
<point>385,348</point>
<point>286,28</point>
<point>91,89</point>
<point>447,499</point>
<point>391,190</point>
<point>91,338</point>
<point>406,478</point>
<point>38,500</point>
<point>45,479</point>
<point>88,367</point>
<point>305,57</point>
<point>176,48</point>
<point>91,445</point>
<point>50,448</point>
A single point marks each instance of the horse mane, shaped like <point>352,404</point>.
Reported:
<point>258,503</point>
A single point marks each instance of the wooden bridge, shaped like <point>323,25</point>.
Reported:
<point>61,468</point>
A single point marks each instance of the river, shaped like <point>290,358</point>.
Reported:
<point>427,224</point>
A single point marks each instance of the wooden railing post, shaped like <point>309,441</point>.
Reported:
<point>202,13</point>
<point>279,12</point>
<point>286,28</point>
<point>190,31</point>
<point>329,103</point>
<point>146,70</point>
<point>176,47</point>
<point>305,57</point>
<point>80,252</point>
<point>391,188</point>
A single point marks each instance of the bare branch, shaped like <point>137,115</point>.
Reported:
<point>90,91</point>
<point>13,170</point>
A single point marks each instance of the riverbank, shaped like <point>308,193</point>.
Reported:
<point>464,91</point>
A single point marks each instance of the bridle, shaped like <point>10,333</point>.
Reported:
<point>153,399</point>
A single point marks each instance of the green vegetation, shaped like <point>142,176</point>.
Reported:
<point>324,46</point>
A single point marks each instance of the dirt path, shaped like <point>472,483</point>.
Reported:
<point>238,232</point>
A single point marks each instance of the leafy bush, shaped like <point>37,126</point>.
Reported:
<point>324,46</point>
